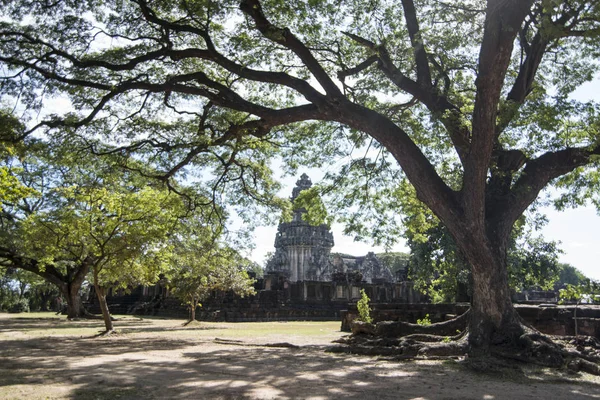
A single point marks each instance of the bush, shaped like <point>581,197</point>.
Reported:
<point>19,306</point>
<point>364,311</point>
<point>425,321</point>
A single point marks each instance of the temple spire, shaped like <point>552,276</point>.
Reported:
<point>301,184</point>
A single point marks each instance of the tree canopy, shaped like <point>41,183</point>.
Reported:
<point>470,99</point>
<point>84,214</point>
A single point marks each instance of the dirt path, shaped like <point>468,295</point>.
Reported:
<point>159,359</point>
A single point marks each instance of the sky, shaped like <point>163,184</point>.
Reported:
<point>576,230</point>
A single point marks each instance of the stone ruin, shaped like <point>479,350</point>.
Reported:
<point>303,253</point>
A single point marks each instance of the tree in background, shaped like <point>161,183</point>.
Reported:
<point>21,291</point>
<point>569,275</point>
<point>41,171</point>
<point>394,261</point>
<point>201,265</point>
<point>583,292</point>
<point>480,91</point>
<point>117,231</point>
<point>84,215</point>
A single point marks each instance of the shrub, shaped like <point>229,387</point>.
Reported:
<point>364,311</point>
<point>425,321</point>
<point>19,306</point>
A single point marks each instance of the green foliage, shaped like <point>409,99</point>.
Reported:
<point>12,190</point>
<point>569,275</point>
<point>19,306</point>
<point>200,265</point>
<point>20,286</point>
<point>88,214</point>
<point>572,293</point>
<point>227,145</point>
<point>118,227</point>
<point>394,261</point>
<point>533,262</point>
<point>364,311</point>
<point>9,295</point>
<point>584,292</point>
<point>438,268</point>
<point>309,200</point>
<point>425,321</point>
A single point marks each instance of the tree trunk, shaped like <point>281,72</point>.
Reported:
<point>575,318</point>
<point>193,306</point>
<point>74,305</point>
<point>493,319</point>
<point>101,293</point>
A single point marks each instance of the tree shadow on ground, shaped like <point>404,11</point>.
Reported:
<point>43,324</point>
<point>125,326</point>
<point>158,367</point>
<point>151,329</point>
<point>146,368</point>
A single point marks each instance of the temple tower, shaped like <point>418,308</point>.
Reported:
<point>302,250</point>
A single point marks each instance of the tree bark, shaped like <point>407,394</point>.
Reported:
<point>74,304</point>
<point>493,318</point>
<point>101,294</point>
<point>193,310</point>
<point>70,292</point>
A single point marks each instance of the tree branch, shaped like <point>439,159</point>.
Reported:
<point>448,113</point>
<point>359,68</point>
<point>537,174</point>
<point>502,23</point>
<point>412,24</point>
<point>286,38</point>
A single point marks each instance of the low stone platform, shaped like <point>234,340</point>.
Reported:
<point>548,319</point>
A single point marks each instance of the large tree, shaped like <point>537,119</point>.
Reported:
<point>83,215</point>
<point>117,232</point>
<point>479,88</point>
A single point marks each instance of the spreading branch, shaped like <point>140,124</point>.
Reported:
<point>286,38</point>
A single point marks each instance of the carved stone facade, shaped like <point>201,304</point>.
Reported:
<point>302,250</point>
<point>371,269</point>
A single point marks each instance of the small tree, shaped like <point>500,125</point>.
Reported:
<point>578,293</point>
<point>201,265</point>
<point>364,311</point>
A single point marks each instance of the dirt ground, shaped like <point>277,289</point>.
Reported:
<point>48,357</point>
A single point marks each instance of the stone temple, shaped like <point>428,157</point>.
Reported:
<point>304,265</point>
<point>302,251</point>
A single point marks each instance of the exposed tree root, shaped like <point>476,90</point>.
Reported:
<point>408,347</point>
<point>106,333</point>
<point>400,328</point>
<point>246,344</point>
<point>402,340</point>
<point>88,315</point>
